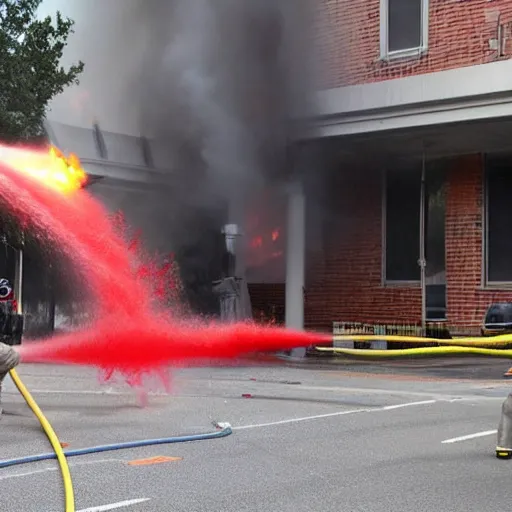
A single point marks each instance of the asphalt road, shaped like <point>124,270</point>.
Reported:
<point>305,440</point>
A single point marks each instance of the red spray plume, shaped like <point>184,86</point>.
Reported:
<point>148,344</point>
<point>127,335</point>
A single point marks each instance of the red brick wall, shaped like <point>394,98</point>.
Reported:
<point>467,300</point>
<point>459,32</point>
<point>346,285</point>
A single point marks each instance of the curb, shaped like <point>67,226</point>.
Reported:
<point>340,363</point>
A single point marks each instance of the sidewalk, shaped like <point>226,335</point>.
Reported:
<point>459,367</point>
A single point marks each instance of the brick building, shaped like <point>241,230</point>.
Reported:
<point>414,88</point>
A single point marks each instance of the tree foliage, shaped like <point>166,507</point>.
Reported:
<point>30,70</point>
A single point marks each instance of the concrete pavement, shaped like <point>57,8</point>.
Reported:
<point>306,440</point>
<point>463,367</point>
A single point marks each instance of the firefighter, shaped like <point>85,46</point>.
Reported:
<point>9,359</point>
<point>504,448</point>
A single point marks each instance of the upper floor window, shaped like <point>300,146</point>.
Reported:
<point>403,27</point>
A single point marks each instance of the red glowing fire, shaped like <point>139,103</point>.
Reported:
<point>258,240</point>
<point>263,247</point>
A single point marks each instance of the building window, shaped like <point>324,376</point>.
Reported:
<point>403,27</point>
<point>498,219</point>
<point>402,225</point>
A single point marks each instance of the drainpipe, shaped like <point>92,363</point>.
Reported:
<point>18,277</point>
<point>422,259</point>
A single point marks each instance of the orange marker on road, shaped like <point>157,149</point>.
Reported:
<point>153,460</point>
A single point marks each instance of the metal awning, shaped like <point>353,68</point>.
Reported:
<point>121,157</point>
<point>463,95</point>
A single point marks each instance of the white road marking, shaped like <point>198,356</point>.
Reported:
<point>56,468</point>
<point>470,436</point>
<point>114,506</point>
<point>401,406</point>
<point>84,392</point>
<point>334,414</point>
<point>297,420</point>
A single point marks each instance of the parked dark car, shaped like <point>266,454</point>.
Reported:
<point>498,319</point>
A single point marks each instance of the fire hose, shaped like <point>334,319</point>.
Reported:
<point>461,346</point>
<point>423,351</point>
<point>69,495</point>
<point>223,430</point>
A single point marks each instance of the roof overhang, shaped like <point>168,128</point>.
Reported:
<point>125,158</point>
<point>474,93</point>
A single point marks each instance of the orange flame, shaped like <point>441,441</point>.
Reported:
<point>275,234</point>
<point>52,168</point>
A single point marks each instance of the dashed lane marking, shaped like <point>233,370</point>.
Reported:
<point>470,436</point>
<point>334,414</point>
<point>114,506</point>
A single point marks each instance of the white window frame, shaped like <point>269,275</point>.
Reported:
<point>486,282</point>
<point>385,54</point>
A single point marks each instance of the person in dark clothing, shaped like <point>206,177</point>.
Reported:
<point>9,359</point>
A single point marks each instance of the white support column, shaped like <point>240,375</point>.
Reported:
<point>295,261</point>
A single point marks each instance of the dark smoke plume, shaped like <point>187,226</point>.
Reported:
<point>217,85</point>
<point>220,91</point>
<point>220,83</point>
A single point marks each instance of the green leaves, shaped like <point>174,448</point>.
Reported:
<point>30,70</point>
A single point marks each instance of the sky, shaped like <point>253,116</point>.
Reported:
<point>111,48</point>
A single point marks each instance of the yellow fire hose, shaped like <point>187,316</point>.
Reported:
<point>222,430</point>
<point>468,345</point>
<point>69,494</point>
<point>504,339</point>
<point>423,351</point>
